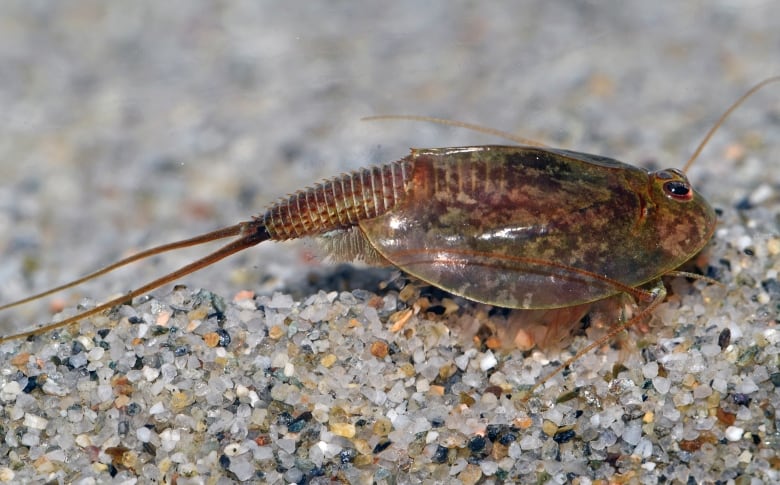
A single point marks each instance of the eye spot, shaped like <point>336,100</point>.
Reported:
<point>678,190</point>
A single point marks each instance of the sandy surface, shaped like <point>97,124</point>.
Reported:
<point>136,124</point>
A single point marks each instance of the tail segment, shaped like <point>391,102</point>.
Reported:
<point>251,233</point>
<point>338,203</point>
<point>195,241</point>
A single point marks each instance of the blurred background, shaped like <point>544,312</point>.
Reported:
<point>129,124</point>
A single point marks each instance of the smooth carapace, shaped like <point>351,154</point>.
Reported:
<point>521,227</point>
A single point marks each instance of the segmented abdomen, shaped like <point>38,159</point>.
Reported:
<point>340,202</point>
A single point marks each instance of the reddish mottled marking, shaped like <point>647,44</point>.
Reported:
<point>524,227</point>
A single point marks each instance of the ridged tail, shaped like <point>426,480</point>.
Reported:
<point>338,203</point>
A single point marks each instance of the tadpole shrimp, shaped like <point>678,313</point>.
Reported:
<point>523,227</point>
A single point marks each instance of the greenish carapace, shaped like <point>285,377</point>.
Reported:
<point>534,228</point>
<point>521,227</point>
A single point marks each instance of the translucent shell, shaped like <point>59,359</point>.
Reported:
<point>534,228</point>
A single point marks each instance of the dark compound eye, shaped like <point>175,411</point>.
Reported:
<point>678,190</point>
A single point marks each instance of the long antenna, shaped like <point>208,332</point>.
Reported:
<point>725,115</point>
<point>460,124</point>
